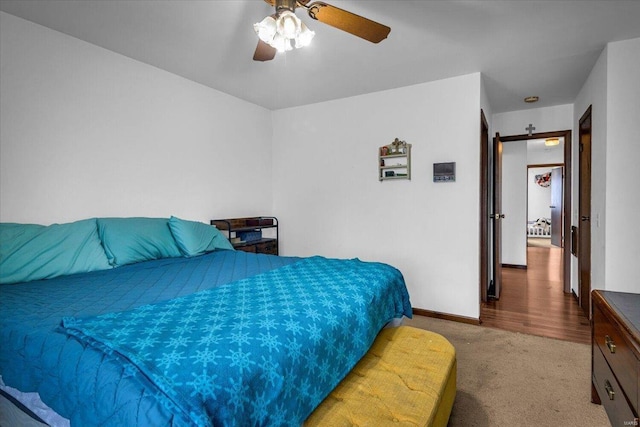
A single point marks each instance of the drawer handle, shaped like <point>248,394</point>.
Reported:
<point>610,344</point>
<point>610,392</point>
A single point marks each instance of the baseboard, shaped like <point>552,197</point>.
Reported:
<point>519,266</point>
<point>444,316</point>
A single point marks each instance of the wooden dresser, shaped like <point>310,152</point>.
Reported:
<point>615,355</point>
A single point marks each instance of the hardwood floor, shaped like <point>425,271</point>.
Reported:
<point>533,302</point>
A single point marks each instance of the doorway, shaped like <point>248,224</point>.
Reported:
<point>584,212</point>
<point>545,208</point>
<point>484,208</point>
<point>487,316</point>
<point>490,168</point>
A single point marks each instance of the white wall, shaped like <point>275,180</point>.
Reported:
<point>514,203</point>
<point>538,197</point>
<point>545,119</point>
<point>486,107</point>
<point>87,132</point>
<point>613,91</point>
<point>330,202</point>
<point>622,246</point>
<point>547,155</point>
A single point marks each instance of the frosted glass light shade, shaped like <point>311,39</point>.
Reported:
<point>550,142</point>
<point>284,31</point>
<point>266,29</point>
<point>288,25</point>
<point>305,36</point>
<point>281,43</point>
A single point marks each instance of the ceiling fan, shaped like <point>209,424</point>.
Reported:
<point>283,30</point>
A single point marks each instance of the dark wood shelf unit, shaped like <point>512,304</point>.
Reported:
<point>264,245</point>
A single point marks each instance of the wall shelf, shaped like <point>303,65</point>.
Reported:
<point>394,161</point>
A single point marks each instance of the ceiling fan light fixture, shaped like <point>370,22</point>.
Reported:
<point>283,31</point>
<point>305,36</point>
<point>550,142</point>
<point>280,43</point>
<point>266,29</point>
<point>288,25</point>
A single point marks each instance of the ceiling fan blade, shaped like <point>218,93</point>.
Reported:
<point>347,21</point>
<point>264,52</point>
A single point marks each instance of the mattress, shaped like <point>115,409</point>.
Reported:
<point>92,380</point>
<point>13,413</point>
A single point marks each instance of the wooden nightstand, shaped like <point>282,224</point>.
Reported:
<point>251,234</point>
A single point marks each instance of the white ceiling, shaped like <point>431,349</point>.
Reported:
<point>536,146</point>
<point>544,48</point>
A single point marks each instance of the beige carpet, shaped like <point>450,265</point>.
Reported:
<point>513,379</point>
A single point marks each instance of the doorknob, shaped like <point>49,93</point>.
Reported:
<point>585,218</point>
<point>496,216</point>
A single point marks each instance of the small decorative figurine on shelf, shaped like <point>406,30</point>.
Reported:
<point>396,144</point>
<point>384,150</point>
<point>399,147</point>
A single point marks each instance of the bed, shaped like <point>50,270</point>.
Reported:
<point>196,335</point>
<point>539,228</point>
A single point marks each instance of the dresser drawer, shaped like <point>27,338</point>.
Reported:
<point>246,248</point>
<point>268,247</point>
<point>611,394</point>
<point>618,354</point>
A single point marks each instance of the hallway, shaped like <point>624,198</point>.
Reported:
<point>533,302</point>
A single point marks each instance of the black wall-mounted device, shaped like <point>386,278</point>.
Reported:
<point>444,172</point>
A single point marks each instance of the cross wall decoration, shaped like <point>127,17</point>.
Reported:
<point>530,129</point>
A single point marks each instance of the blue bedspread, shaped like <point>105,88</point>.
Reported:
<point>265,350</point>
<point>81,382</point>
<point>91,386</point>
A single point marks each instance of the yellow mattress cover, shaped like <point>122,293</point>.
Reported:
<point>407,378</point>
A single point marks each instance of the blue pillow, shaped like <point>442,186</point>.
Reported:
<point>32,252</point>
<point>195,238</point>
<point>130,240</point>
